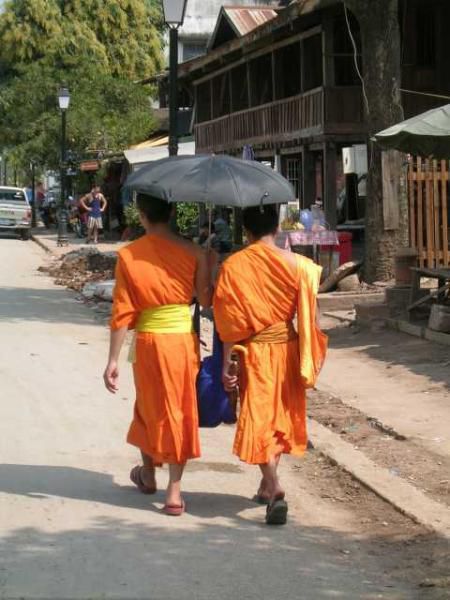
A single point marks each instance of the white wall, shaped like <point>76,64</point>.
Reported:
<point>201,15</point>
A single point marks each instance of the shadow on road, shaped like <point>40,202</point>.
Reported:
<point>38,481</point>
<point>220,549</point>
<point>44,305</point>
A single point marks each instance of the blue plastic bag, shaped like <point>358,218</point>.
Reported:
<point>214,405</point>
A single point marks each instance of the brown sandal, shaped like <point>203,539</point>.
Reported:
<point>136,478</point>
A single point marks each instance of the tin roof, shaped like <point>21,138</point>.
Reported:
<point>239,21</point>
<point>247,18</point>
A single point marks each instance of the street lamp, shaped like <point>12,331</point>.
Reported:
<point>33,193</point>
<point>174,11</point>
<point>63,101</point>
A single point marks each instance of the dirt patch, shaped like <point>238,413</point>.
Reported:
<point>77,268</point>
<point>408,549</point>
<point>427,471</point>
<point>372,515</point>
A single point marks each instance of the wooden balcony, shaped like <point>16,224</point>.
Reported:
<point>323,110</point>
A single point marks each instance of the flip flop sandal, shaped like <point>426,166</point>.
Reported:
<point>260,499</point>
<point>277,512</point>
<point>174,510</point>
<point>136,478</point>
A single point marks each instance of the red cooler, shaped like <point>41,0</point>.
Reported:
<point>345,247</point>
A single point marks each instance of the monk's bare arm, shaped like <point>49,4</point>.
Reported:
<point>203,279</point>
<point>104,203</point>
<point>111,374</point>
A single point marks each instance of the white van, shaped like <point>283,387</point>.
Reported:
<point>15,211</point>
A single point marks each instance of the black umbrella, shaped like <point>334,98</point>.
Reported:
<point>213,179</point>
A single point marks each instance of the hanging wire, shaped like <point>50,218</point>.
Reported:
<point>355,58</point>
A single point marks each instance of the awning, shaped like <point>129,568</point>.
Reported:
<point>426,135</point>
<point>145,153</point>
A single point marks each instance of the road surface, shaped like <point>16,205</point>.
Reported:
<point>74,527</point>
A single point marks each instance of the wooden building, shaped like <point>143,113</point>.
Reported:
<point>288,86</point>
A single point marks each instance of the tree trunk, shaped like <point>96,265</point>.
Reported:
<point>380,35</point>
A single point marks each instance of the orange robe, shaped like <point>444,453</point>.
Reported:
<point>150,272</point>
<point>256,289</point>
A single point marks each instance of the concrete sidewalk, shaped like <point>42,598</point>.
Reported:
<point>48,238</point>
<point>402,381</point>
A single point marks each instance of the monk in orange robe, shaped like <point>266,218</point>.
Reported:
<point>156,278</point>
<point>258,293</point>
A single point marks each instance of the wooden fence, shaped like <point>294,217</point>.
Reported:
<point>429,205</point>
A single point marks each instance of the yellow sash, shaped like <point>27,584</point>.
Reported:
<point>279,333</point>
<point>168,318</point>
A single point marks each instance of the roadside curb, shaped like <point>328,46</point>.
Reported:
<point>419,331</point>
<point>404,497</point>
<point>40,243</point>
<point>341,318</point>
<point>337,301</point>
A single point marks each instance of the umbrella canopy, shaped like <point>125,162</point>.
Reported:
<point>215,179</point>
<point>427,134</point>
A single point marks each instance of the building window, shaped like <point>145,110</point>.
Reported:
<point>221,95</point>
<point>287,71</point>
<point>293,174</point>
<point>204,102</point>
<point>192,50</point>
<point>426,37</point>
<point>344,60</point>
<point>239,88</point>
<point>312,62</point>
<point>261,80</point>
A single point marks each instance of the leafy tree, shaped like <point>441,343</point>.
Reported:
<point>119,36</point>
<point>106,114</point>
<point>99,48</point>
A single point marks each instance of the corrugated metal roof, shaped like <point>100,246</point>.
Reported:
<point>247,18</point>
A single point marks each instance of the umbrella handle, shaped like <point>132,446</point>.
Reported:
<point>233,370</point>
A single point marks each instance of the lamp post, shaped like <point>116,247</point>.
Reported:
<point>63,101</point>
<point>5,171</point>
<point>174,11</point>
<point>33,193</point>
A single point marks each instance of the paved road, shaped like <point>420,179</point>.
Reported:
<point>72,525</point>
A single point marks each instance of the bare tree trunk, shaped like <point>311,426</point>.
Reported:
<point>380,34</point>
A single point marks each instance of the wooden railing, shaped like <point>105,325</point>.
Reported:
<point>278,121</point>
<point>429,211</point>
<point>334,110</point>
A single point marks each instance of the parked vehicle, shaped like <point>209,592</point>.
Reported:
<point>15,211</point>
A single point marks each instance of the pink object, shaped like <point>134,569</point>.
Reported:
<point>287,239</point>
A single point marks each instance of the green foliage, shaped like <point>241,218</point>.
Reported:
<point>133,222</point>
<point>119,37</point>
<point>132,215</point>
<point>187,218</point>
<point>98,48</point>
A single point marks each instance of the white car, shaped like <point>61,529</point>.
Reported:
<point>15,211</point>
